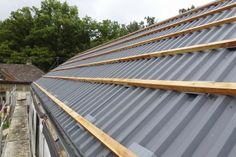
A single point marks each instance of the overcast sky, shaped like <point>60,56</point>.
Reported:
<point>122,11</point>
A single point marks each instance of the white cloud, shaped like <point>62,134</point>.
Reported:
<point>6,6</point>
<point>122,11</point>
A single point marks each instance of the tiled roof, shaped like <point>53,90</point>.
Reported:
<point>20,73</point>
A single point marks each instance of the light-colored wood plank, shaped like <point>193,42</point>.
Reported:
<point>54,136</point>
<point>224,88</point>
<point>230,6</point>
<point>108,141</point>
<point>171,35</point>
<point>190,49</point>
<point>149,27</point>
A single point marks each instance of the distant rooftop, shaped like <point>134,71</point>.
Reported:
<point>19,73</point>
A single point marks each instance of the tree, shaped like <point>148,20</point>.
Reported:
<point>183,10</point>
<point>134,26</point>
<point>5,51</point>
<point>107,30</point>
<point>149,20</point>
<point>57,27</point>
<point>54,32</point>
<point>54,29</point>
<point>14,29</point>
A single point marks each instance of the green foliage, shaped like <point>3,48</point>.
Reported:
<point>53,33</point>
<point>150,20</point>
<point>5,51</point>
<point>134,26</point>
<point>181,11</point>
<point>6,125</point>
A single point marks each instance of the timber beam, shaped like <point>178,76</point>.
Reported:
<point>224,88</point>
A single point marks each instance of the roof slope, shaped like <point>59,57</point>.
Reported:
<point>21,72</point>
<point>145,120</point>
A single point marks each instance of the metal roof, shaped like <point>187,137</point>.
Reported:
<point>189,14</point>
<point>168,43</point>
<point>151,121</point>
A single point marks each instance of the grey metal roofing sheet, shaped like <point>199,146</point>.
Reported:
<point>174,21</point>
<point>211,18</point>
<point>214,65</point>
<point>226,31</point>
<point>215,34</point>
<point>167,123</point>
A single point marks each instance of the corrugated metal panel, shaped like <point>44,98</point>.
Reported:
<point>215,17</point>
<point>224,3</point>
<point>215,34</point>
<point>175,29</point>
<point>219,65</point>
<point>166,123</point>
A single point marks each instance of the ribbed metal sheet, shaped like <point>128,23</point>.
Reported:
<point>226,31</point>
<point>167,123</point>
<point>214,65</point>
<point>159,45</point>
<point>213,7</point>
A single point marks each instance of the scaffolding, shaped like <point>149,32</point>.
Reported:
<point>7,108</point>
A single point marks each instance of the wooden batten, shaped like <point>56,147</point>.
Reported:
<point>190,49</point>
<point>224,88</point>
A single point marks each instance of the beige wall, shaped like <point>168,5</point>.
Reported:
<point>19,87</point>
